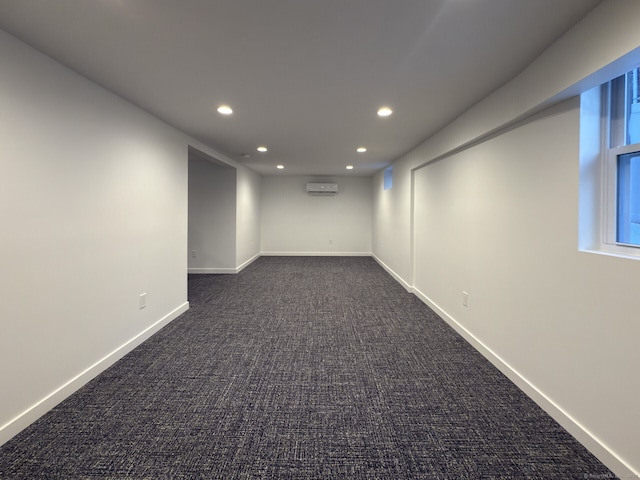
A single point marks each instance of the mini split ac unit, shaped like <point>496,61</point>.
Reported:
<point>322,188</point>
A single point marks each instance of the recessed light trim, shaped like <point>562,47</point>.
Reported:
<point>262,149</point>
<point>279,167</point>
<point>349,167</point>
<point>225,110</point>
<point>384,111</point>
<point>361,149</point>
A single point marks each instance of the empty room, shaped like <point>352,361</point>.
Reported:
<point>368,239</point>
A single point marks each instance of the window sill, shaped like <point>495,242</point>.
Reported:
<point>619,251</point>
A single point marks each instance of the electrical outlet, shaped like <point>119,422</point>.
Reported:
<point>465,299</point>
<point>143,300</point>
<point>193,254</point>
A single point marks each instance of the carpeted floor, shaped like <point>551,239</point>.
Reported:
<point>300,368</point>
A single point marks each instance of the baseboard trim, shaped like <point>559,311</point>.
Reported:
<point>238,269</point>
<point>608,457</point>
<point>211,271</point>
<point>316,254</point>
<point>26,418</point>
<point>247,263</point>
<point>223,271</point>
<point>397,277</point>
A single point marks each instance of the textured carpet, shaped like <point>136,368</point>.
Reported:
<point>300,368</point>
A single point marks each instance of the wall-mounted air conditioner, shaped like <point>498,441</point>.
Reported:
<point>322,188</point>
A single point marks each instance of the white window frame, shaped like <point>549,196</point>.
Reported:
<point>611,194</point>
<point>610,178</point>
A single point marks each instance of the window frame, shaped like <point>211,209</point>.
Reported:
<point>613,134</point>
<point>611,195</point>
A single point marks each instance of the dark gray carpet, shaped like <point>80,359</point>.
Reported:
<point>300,368</point>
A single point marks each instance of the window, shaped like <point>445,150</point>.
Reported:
<point>388,177</point>
<point>622,172</point>
<point>628,198</point>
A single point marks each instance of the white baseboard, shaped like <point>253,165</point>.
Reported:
<point>211,271</point>
<point>26,418</point>
<point>397,277</point>
<point>247,263</point>
<point>316,254</point>
<point>579,432</point>
<point>223,271</point>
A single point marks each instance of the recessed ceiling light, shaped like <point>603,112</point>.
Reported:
<point>349,167</point>
<point>262,149</point>
<point>361,149</point>
<point>225,110</point>
<point>280,167</point>
<point>384,112</point>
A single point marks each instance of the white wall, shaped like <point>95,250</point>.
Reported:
<point>93,205</point>
<point>499,221</point>
<point>246,195</point>
<point>248,215</point>
<point>494,211</point>
<point>212,217</point>
<point>391,224</point>
<point>294,222</point>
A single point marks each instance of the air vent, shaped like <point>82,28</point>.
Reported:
<point>322,188</point>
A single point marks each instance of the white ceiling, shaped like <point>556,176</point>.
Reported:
<point>304,77</point>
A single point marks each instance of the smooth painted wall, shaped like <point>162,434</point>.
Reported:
<point>248,216</point>
<point>94,211</point>
<point>246,193</point>
<point>212,217</point>
<point>499,221</point>
<point>296,223</point>
<point>490,206</point>
<point>93,205</point>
